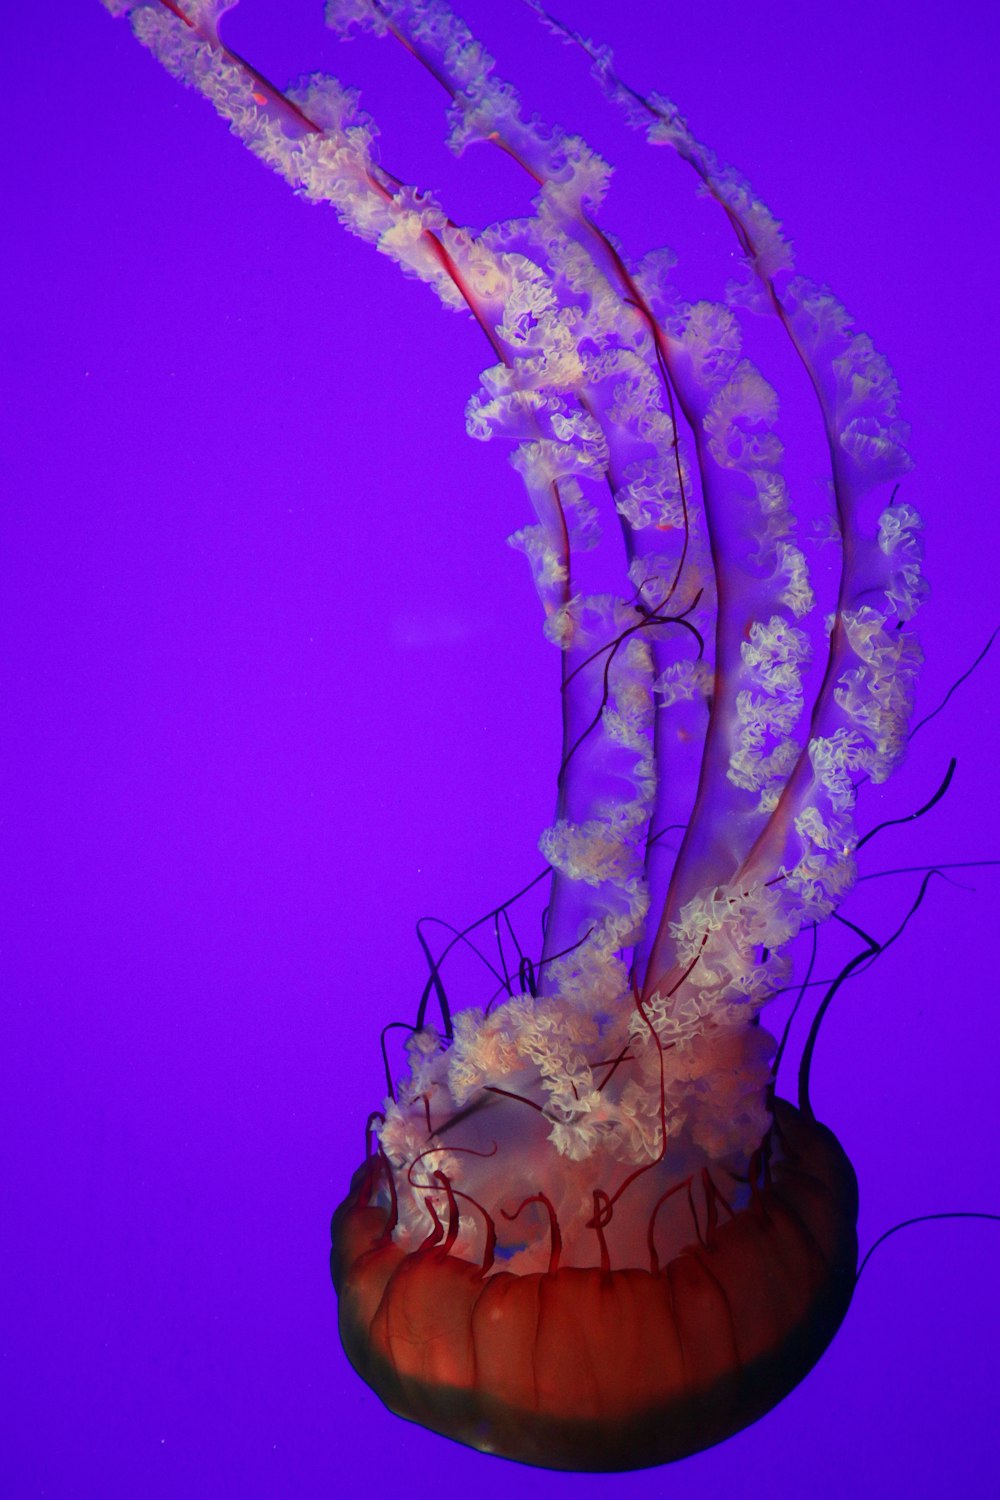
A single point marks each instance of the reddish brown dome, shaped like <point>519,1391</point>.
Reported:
<point>608,1370</point>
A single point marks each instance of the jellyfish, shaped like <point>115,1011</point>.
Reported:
<point>588,1233</point>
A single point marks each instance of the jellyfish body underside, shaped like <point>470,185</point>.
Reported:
<point>591,1369</point>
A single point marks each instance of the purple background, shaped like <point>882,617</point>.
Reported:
<point>275,687</point>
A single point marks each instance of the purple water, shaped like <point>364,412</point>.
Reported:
<point>275,688</point>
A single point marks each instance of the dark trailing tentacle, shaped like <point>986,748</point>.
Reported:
<point>392,1026</point>
<point>921,1219</point>
<point>490,1235</point>
<point>376,1114</point>
<point>873,949</point>
<point>776,1065</point>
<point>453,1213</point>
<point>601,1218</point>
<point>955,685</point>
<point>678,1187</point>
<point>555,1235</point>
<point>913,816</point>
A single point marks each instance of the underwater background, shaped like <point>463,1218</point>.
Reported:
<point>275,688</point>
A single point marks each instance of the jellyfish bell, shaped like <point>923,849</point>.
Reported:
<point>587,1234</point>
<point>658,1325</point>
<point>593,1241</point>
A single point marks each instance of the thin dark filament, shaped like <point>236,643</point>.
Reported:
<point>453,1214</point>
<point>823,983</point>
<point>490,1240</point>
<point>606,691</point>
<point>462,936</point>
<point>623,1056</point>
<point>384,1165</point>
<point>554,1231</point>
<point>713,1198</point>
<point>678,1187</point>
<point>564,952</point>
<point>503,916</point>
<point>660,1049</point>
<point>922,1219</point>
<point>428,1187</point>
<point>392,1026</point>
<point>638,302</point>
<point>913,816</point>
<point>873,950</point>
<point>963,864</point>
<point>436,1233</point>
<point>776,1065</point>
<point>654,838</point>
<point>489,1088</point>
<point>650,617</point>
<point>690,968</point>
<point>370,1135</point>
<point>526,976</point>
<point>603,1211</point>
<point>955,685</point>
